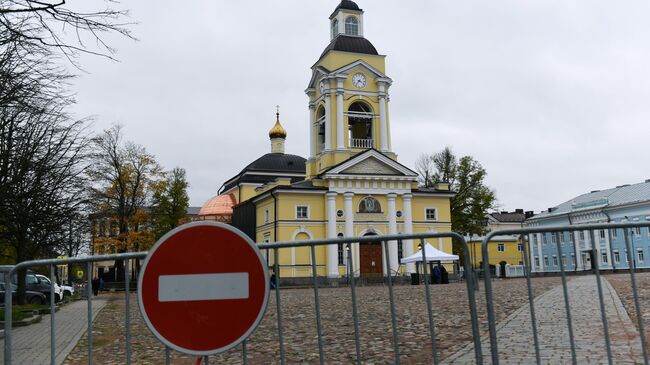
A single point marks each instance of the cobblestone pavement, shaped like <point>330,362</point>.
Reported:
<point>623,286</point>
<point>450,310</point>
<point>31,344</point>
<point>516,344</point>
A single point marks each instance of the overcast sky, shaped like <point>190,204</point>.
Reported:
<point>551,96</point>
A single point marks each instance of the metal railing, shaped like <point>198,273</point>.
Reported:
<point>360,143</point>
<point>275,247</point>
<point>351,284</point>
<point>557,230</point>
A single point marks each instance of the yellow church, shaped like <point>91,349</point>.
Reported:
<point>351,184</point>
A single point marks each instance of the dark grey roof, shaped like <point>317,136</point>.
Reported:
<point>509,217</point>
<point>347,5</point>
<point>353,44</point>
<point>279,164</point>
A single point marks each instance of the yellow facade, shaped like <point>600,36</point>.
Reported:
<point>352,184</point>
<point>506,250</point>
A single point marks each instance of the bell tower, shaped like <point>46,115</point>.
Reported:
<point>348,95</point>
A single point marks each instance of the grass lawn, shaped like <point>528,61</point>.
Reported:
<point>20,312</point>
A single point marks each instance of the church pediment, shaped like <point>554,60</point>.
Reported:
<point>371,162</point>
<point>319,72</point>
<point>371,166</point>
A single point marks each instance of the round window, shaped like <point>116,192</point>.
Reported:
<point>399,213</point>
<point>339,213</point>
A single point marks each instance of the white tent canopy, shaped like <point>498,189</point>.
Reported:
<point>432,254</point>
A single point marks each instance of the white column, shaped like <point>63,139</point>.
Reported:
<point>349,226</point>
<point>610,259</point>
<point>340,141</point>
<point>392,229</point>
<point>540,243</point>
<point>531,253</point>
<point>576,246</point>
<point>328,122</point>
<point>383,127</point>
<point>332,250</point>
<point>312,131</point>
<point>408,229</point>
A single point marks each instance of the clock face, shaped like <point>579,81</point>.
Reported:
<point>359,81</point>
<point>322,86</point>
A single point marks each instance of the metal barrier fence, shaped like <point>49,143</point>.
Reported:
<point>274,247</point>
<point>595,267</point>
<point>471,284</point>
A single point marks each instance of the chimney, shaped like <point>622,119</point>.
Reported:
<point>519,211</point>
<point>529,214</point>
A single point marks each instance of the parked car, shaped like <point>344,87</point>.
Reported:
<point>68,290</point>
<point>33,283</point>
<point>58,290</point>
<point>32,297</point>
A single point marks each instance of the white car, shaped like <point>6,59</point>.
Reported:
<point>58,290</point>
<point>68,290</point>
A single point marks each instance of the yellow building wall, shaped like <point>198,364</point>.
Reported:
<point>511,255</point>
<point>296,262</point>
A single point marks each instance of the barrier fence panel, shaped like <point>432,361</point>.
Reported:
<point>352,280</point>
<point>557,235</point>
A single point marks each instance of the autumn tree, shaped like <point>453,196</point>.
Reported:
<point>121,173</point>
<point>466,177</point>
<point>169,202</point>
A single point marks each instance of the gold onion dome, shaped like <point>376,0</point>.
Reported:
<point>277,131</point>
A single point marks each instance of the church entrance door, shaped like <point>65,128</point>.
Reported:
<point>371,259</point>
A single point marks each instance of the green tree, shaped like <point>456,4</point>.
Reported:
<point>466,177</point>
<point>170,202</point>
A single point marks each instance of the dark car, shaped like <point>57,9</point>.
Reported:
<point>32,297</point>
<point>33,283</point>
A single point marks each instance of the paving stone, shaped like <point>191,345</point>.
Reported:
<point>31,344</point>
<point>515,338</point>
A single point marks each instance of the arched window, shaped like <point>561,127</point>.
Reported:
<point>320,118</point>
<point>351,26</point>
<point>335,28</point>
<point>360,118</point>
<point>369,205</point>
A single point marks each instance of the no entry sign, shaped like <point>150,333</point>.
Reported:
<point>203,288</point>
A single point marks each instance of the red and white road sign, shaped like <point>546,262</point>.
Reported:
<point>203,288</point>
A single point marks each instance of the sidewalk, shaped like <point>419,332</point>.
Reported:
<point>515,339</point>
<point>31,344</point>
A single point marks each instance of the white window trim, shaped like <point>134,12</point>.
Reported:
<point>555,261</point>
<point>638,257</point>
<point>302,206</point>
<point>267,215</point>
<point>501,247</point>
<point>436,214</point>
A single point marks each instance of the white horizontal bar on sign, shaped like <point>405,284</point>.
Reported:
<point>187,288</point>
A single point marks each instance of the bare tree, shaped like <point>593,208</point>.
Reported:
<point>48,23</point>
<point>42,153</point>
